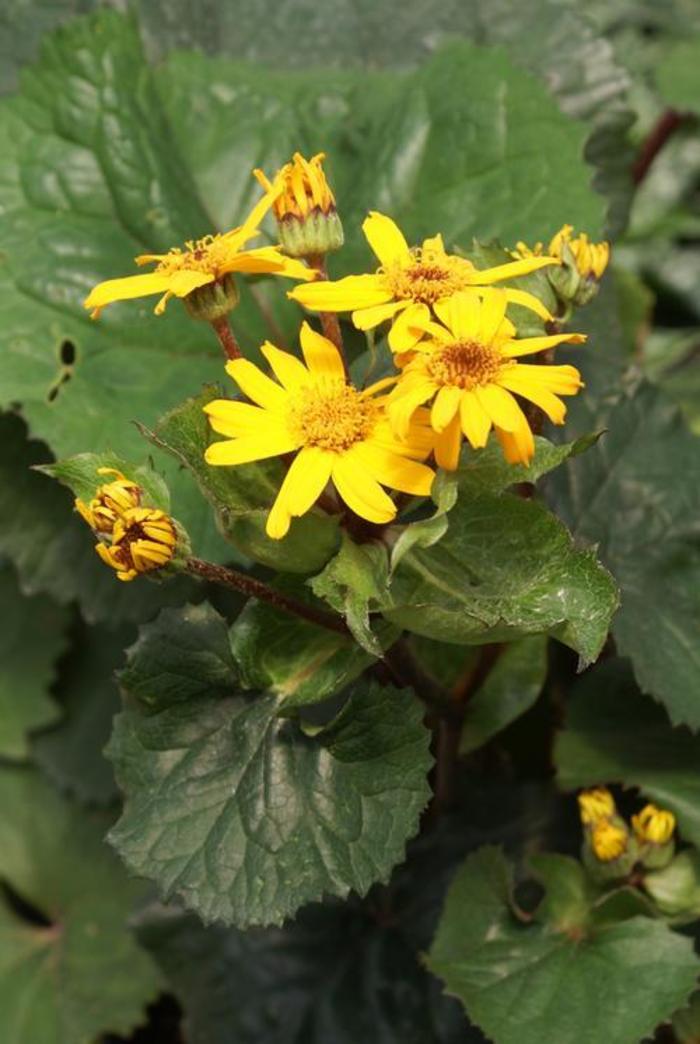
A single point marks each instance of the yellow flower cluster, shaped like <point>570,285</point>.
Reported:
<point>608,833</point>
<point>132,539</point>
<point>458,375</point>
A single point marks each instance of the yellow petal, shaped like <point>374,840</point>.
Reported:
<point>185,281</point>
<point>461,313</point>
<point>530,345</point>
<point>256,385</point>
<point>127,288</point>
<point>394,470</point>
<point>526,300</point>
<point>267,259</point>
<point>493,312</point>
<point>407,329</point>
<point>236,419</point>
<point>542,397</point>
<point>368,318</point>
<point>418,443</point>
<point>321,355</point>
<point>445,407</point>
<point>511,270</point>
<point>448,445</point>
<point>518,446</point>
<point>306,479</point>
<point>500,406</point>
<point>475,421</point>
<point>250,448</point>
<point>289,371</point>
<point>386,239</point>
<point>404,403</point>
<point>563,380</point>
<point>360,491</point>
<point>342,295</point>
<point>434,245</point>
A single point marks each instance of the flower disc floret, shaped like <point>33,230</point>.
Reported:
<point>410,283</point>
<point>340,434</point>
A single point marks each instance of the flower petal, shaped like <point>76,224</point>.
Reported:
<point>562,380</point>
<point>185,281</point>
<point>368,318</point>
<point>289,371</point>
<point>445,406</point>
<point>394,470</point>
<point>407,329</point>
<point>321,355</point>
<point>542,397</point>
<point>475,421</point>
<point>500,406</point>
<point>511,270</point>
<point>342,295</point>
<point>253,447</point>
<point>259,388</point>
<point>518,446</point>
<point>386,239</point>
<point>530,345</point>
<point>448,445</point>
<point>527,300</point>
<point>360,491</point>
<point>403,404</point>
<point>237,419</point>
<point>493,312</point>
<point>301,488</point>
<point>461,313</point>
<point>126,289</point>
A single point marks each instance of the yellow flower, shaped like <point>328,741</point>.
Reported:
<point>654,825</point>
<point>341,434</point>
<point>143,539</point>
<point>590,259</point>
<point>201,262</point>
<point>469,367</point>
<point>111,500</point>
<point>595,804</point>
<point>304,188</point>
<point>608,840</point>
<point>410,282</point>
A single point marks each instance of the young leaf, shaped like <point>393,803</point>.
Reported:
<point>80,973</point>
<point>523,984</point>
<point>614,734</point>
<point>237,810</point>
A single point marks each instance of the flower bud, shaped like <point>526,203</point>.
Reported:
<point>307,219</point>
<point>594,804</point>
<point>213,301</point>
<point>575,280</point>
<point>653,827</point>
<point>676,888</point>
<point>143,540</point>
<point>110,500</point>
<point>609,850</point>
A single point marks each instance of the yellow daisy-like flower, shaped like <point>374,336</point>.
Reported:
<point>470,368</point>
<point>201,262</point>
<point>591,259</point>
<point>339,433</point>
<point>410,283</point>
<point>143,539</point>
<point>304,187</point>
<point>654,825</point>
<point>111,500</point>
<point>597,803</point>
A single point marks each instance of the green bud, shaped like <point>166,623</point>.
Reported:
<point>609,850</point>
<point>676,889</point>
<point>213,301</point>
<point>316,233</point>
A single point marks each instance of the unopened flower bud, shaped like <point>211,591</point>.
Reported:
<point>676,888</point>
<point>576,279</point>
<point>143,540</point>
<point>110,500</point>
<point>213,301</point>
<point>594,804</point>
<point>609,850</point>
<point>654,827</point>
<point>307,219</point>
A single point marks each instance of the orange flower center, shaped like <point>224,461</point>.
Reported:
<point>333,416</point>
<point>464,364</point>
<point>199,255</point>
<point>429,277</point>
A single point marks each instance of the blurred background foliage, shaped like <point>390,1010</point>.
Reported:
<point>138,128</point>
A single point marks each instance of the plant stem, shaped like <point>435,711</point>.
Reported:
<point>226,338</point>
<point>253,588</point>
<point>665,126</point>
<point>329,320</point>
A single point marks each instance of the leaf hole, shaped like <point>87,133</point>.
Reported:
<point>24,909</point>
<point>67,353</point>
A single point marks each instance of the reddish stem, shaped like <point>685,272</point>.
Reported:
<point>226,338</point>
<point>665,126</point>
<point>329,320</point>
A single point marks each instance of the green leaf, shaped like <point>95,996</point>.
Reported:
<point>71,753</point>
<point>242,496</point>
<point>31,640</point>
<point>614,734</point>
<point>53,549</point>
<point>686,1022</point>
<point>80,475</point>
<point>506,568</point>
<point>82,973</point>
<point>353,582</point>
<point>293,658</point>
<point>637,496</point>
<point>678,75</point>
<point>508,974</point>
<point>264,985</point>
<point>238,811</point>
<point>511,688</point>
